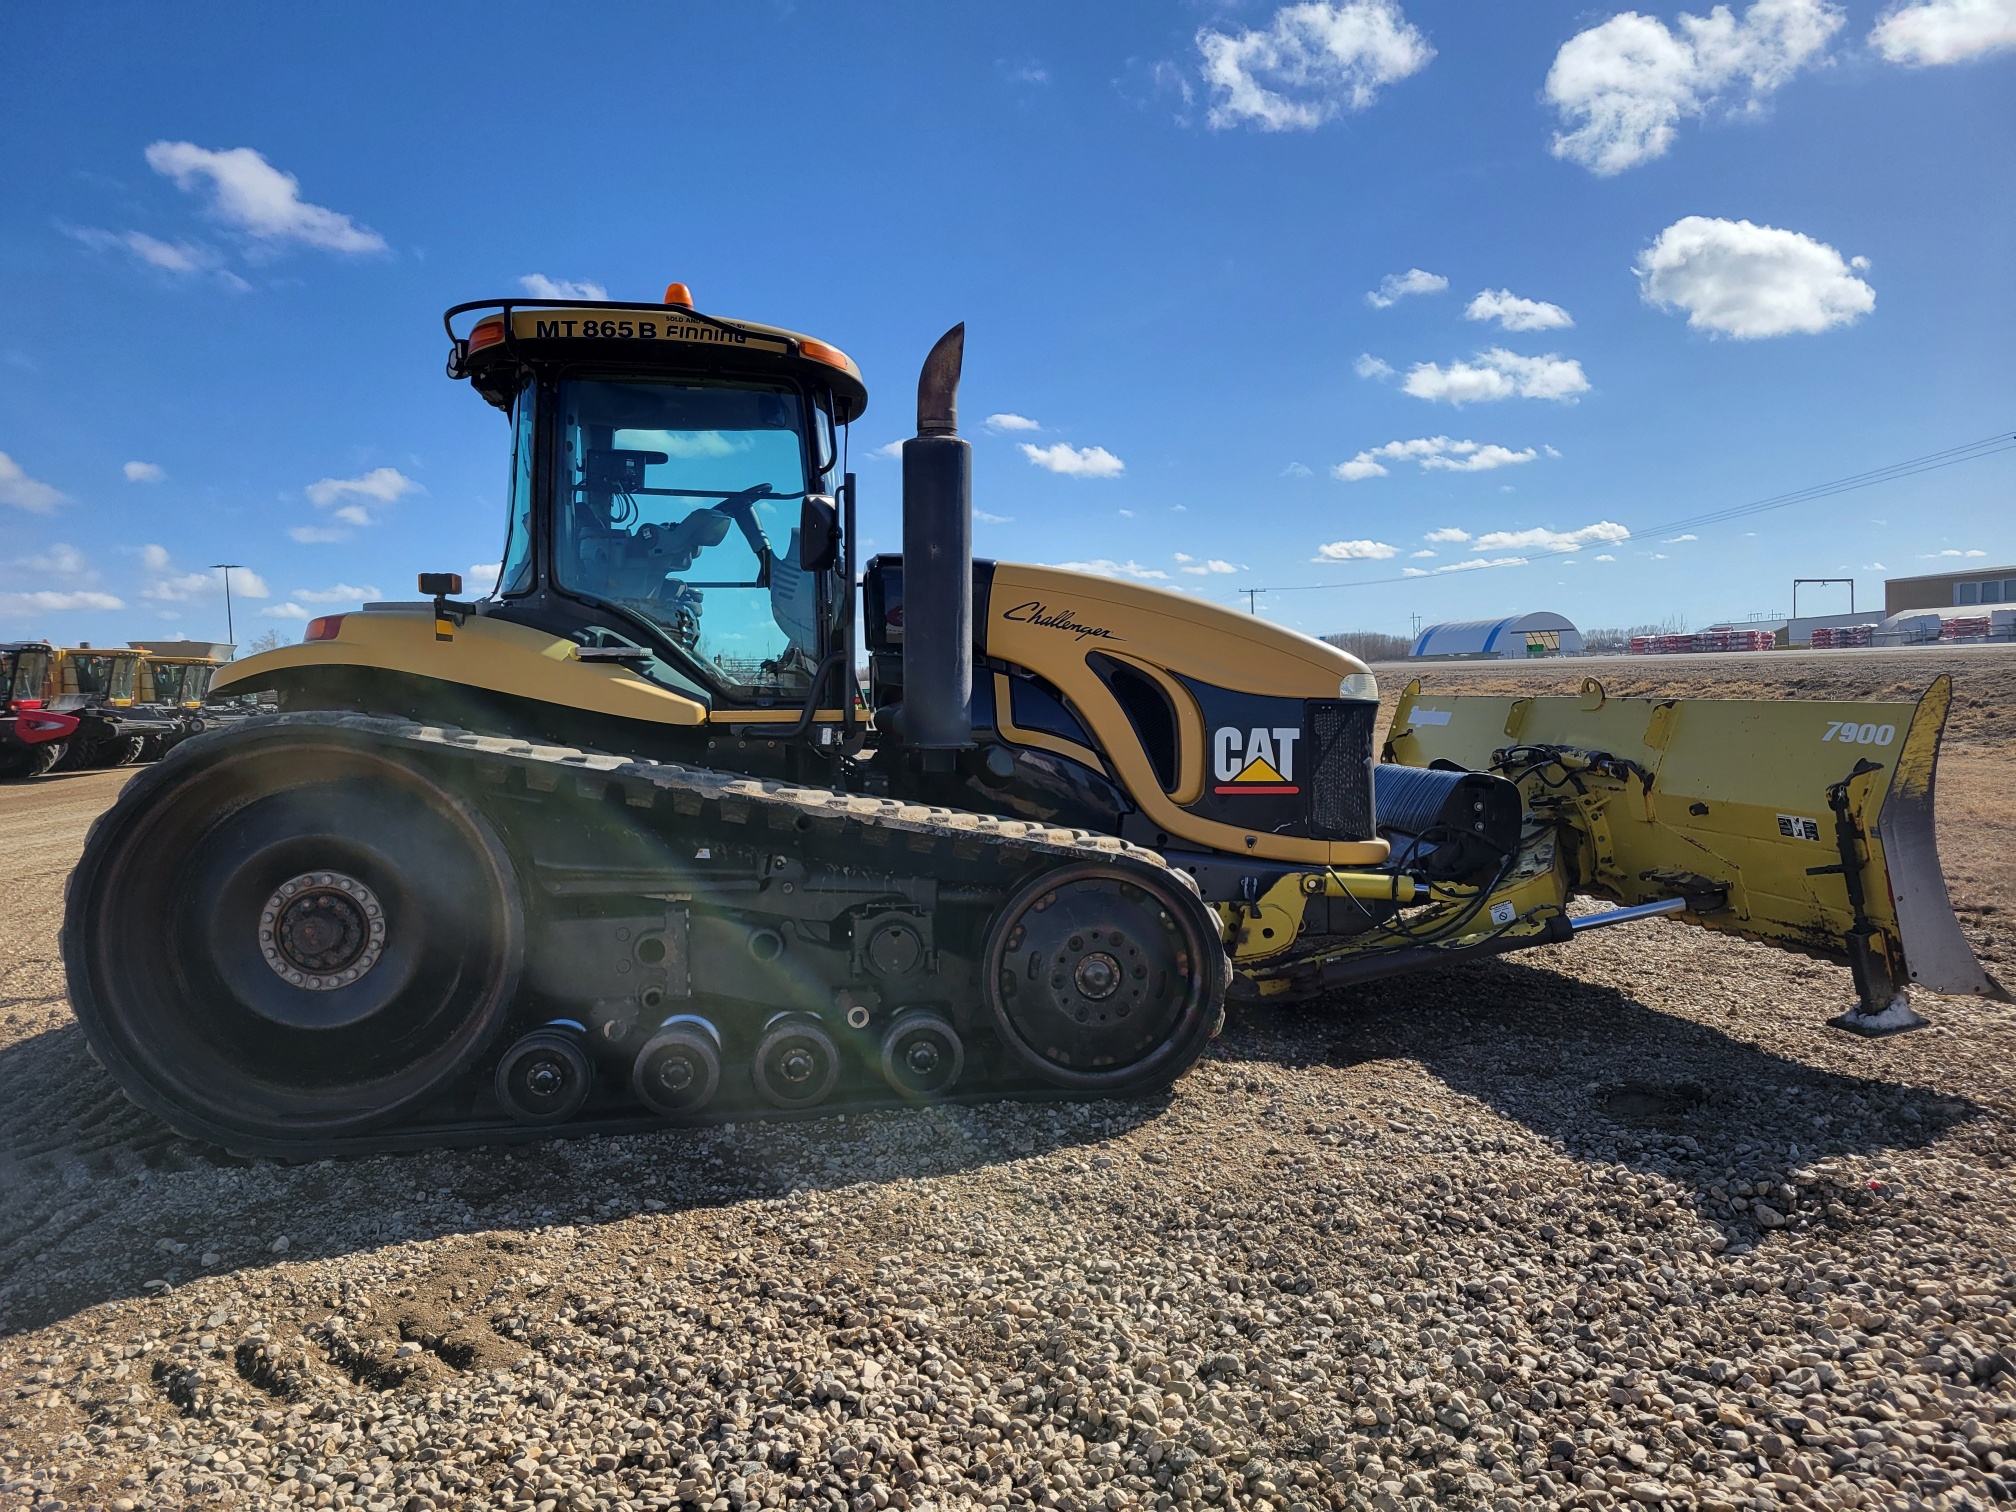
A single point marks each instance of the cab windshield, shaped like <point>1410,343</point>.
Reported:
<point>106,676</point>
<point>180,682</point>
<point>679,501</point>
<point>22,673</point>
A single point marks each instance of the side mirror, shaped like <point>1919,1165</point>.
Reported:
<point>818,533</point>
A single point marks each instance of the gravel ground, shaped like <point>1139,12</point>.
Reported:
<point>1620,1223</point>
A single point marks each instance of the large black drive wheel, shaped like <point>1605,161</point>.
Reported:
<point>1104,979</point>
<point>19,763</point>
<point>276,939</point>
<point>119,751</point>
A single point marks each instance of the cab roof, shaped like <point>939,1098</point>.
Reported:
<point>511,335</point>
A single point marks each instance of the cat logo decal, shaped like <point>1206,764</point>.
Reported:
<point>1254,761</point>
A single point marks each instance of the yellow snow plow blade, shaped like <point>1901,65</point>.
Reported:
<point>1809,823</point>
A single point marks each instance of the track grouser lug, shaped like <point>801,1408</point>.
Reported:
<point>656,941</point>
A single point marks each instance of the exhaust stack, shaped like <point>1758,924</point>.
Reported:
<point>938,562</point>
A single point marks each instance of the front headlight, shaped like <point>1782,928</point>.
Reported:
<point>1359,685</point>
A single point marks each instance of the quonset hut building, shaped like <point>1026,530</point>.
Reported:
<point>1514,638</point>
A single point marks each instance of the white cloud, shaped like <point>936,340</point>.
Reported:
<point>1413,572</point>
<point>1075,461</point>
<point>1623,85</point>
<point>1498,374</point>
<point>48,601</point>
<point>1515,314</point>
<point>170,257</point>
<point>248,192</point>
<point>1296,470</point>
<point>1424,552</point>
<point>1945,31</point>
<point>1447,534</point>
<point>170,586</point>
<point>1107,567</point>
<point>288,611</point>
<point>60,560</point>
<point>24,492</point>
<point>1676,540</point>
<point>1007,422</point>
<point>480,579</point>
<point>344,593</point>
<point>1205,568</point>
<point>316,535</point>
<point>1949,552</point>
<point>539,286</point>
<point>1539,539</point>
<point>360,498</point>
<point>1748,281</point>
<point>1314,61</point>
<point>1395,287</point>
<point>1368,366</point>
<point>992,519</point>
<point>1435,453</point>
<point>144,472</point>
<point>1354,551</point>
<point>1604,556</point>
<point>1475,562</point>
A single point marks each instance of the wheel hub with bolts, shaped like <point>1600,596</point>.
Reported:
<point>322,930</point>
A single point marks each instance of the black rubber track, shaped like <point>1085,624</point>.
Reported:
<point>910,838</point>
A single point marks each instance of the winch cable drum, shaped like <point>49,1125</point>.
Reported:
<point>1449,826</point>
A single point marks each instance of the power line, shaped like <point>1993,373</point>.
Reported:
<point>1987,446</point>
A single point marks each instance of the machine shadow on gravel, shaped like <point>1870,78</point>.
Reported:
<point>92,1188</point>
<point>1607,1076</point>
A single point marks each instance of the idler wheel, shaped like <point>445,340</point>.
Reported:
<point>678,1070</point>
<point>1104,979</point>
<point>796,1062</point>
<point>546,1076</point>
<point>288,936</point>
<point>922,1055</point>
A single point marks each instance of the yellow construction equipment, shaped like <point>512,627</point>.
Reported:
<point>624,840</point>
<point>98,685</point>
<point>174,680</point>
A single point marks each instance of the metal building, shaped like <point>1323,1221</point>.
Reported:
<point>1513,638</point>
<point>1964,588</point>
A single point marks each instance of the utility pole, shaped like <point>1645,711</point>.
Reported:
<point>1252,599</point>
<point>230,629</point>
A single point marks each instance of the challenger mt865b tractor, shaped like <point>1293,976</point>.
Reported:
<point>623,841</point>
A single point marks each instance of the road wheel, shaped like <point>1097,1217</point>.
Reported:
<point>32,761</point>
<point>1104,979</point>
<point>290,938</point>
<point>119,751</point>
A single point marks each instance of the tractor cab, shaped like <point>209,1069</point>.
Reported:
<point>677,484</point>
<point>174,681</point>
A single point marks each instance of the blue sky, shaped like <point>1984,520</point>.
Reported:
<point>1565,275</point>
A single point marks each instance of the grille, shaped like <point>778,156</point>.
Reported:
<point>1340,775</point>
